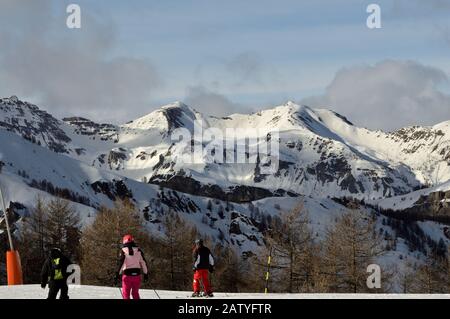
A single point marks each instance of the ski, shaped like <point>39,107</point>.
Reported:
<point>202,295</point>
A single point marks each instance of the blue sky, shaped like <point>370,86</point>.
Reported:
<point>236,55</point>
<point>305,42</point>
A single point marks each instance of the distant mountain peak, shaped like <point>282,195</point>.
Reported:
<point>176,104</point>
<point>13,98</point>
<point>291,103</point>
<point>167,117</point>
<point>33,124</point>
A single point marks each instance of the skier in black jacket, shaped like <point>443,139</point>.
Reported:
<point>54,273</point>
<point>203,262</point>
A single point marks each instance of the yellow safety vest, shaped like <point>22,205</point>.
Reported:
<point>58,273</point>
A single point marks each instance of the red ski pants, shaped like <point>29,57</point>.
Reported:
<point>201,276</point>
<point>131,284</point>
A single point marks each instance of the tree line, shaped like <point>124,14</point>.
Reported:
<point>301,260</point>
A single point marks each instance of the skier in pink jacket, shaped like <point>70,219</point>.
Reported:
<point>132,264</point>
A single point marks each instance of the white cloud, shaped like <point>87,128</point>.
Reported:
<point>388,95</point>
<point>67,71</point>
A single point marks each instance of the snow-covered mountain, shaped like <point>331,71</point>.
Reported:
<point>322,157</point>
<point>321,154</point>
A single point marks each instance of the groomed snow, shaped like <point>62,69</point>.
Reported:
<point>96,292</point>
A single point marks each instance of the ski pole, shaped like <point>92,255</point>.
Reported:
<point>120,289</point>
<point>151,286</point>
<point>116,283</point>
<point>201,284</point>
<point>211,282</point>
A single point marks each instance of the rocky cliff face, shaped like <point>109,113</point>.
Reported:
<point>33,124</point>
<point>87,127</point>
<point>434,206</point>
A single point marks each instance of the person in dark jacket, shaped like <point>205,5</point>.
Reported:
<point>203,262</point>
<point>54,273</point>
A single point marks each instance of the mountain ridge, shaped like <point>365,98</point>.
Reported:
<point>326,133</point>
<point>324,160</point>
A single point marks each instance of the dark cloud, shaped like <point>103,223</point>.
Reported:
<point>69,71</point>
<point>388,95</point>
<point>244,70</point>
<point>211,103</point>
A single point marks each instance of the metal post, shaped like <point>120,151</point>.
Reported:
<point>5,214</point>
<point>269,259</point>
